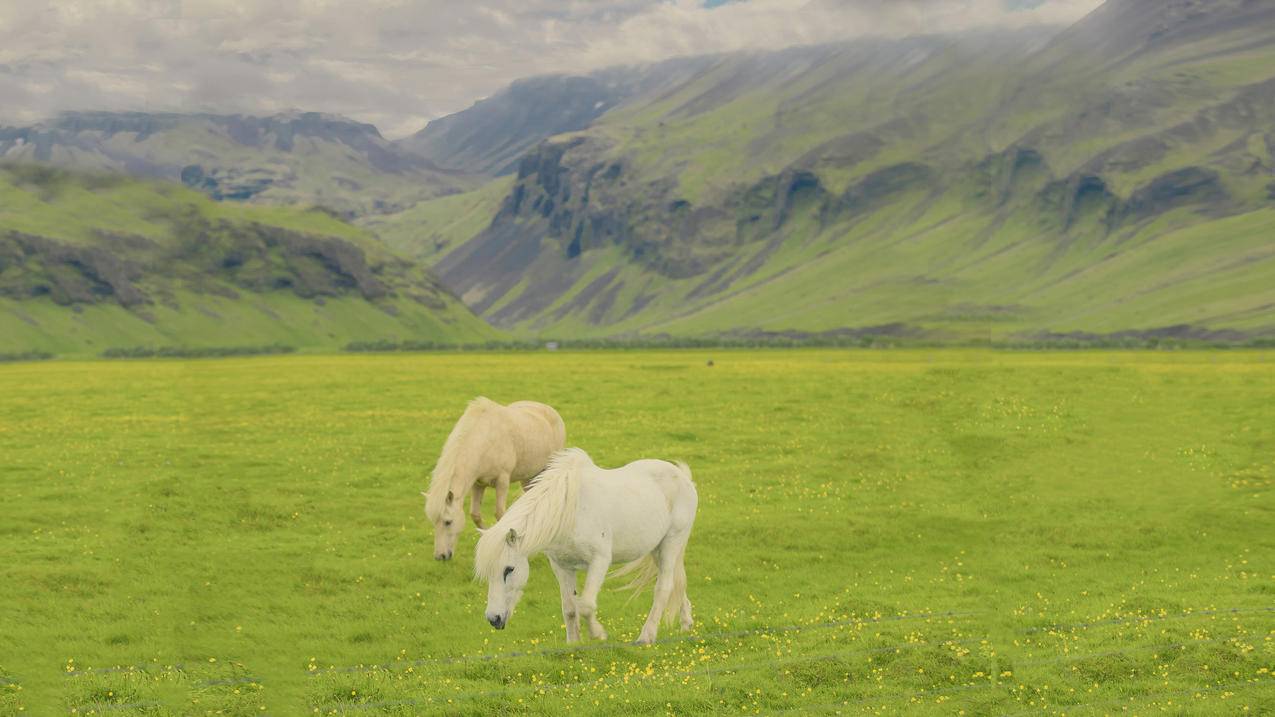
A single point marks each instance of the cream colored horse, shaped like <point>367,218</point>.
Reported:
<point>585,518</point>
<point>491,446</point>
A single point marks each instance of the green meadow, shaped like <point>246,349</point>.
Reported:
<point>880,532</point>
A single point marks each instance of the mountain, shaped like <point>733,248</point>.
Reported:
<point>491,136</point>
<point>95,261</point>
<point>1113,178</point>
<point>1127,29</point>
<point>301,158</point>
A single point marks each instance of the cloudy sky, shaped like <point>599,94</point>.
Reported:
<point>398,63</point>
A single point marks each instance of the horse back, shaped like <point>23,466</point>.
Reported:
<point>544,412</point>
<point>673,480</point>
<point>538,433</point>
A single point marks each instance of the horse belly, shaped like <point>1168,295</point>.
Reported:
<point>636,535</point>
<point>632,549</point>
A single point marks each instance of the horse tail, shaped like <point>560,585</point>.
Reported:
<point>685,472</point>
<point>644,571</point>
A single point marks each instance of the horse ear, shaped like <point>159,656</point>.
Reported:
<point>512,537</point>
<point>450,497</point>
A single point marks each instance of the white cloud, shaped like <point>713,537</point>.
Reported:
<point>398,63</point>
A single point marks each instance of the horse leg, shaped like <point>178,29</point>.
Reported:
<point>587,604</point>
<point>668,560</point>
<point>567,589</point>
<point>502,493</point>
<point>476,504</point>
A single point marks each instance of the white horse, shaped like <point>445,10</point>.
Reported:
<point>585,518</point>
<point>491,445</point>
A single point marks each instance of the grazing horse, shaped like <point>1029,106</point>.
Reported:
<point>585,518</point>
<point>491,445</point>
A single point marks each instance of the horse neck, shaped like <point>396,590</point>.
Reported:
<point>455,464</point>
<point>550,512</point>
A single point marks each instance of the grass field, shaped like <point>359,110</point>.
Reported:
<point>880,532</point>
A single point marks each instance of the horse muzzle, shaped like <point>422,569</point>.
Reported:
<point>443,556</point>
<point>498,621</point>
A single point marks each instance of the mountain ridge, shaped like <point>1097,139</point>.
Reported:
<point>489,137</point>
<point>297,158</point>
<point>709,207</point>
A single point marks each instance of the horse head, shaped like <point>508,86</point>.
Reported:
<point>448,521</point>
<point>506,578</point>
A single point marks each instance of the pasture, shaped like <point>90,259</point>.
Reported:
<point>879,532</point>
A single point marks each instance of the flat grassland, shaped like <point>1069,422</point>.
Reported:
<point>880,532</point>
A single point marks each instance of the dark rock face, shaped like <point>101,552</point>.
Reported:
<point>1087,196</point>
<point>570,199</point>
<point>263,258</point>
<point>883,184</point>
<point>267,259</point>
<point>1184,187</point>
<point>768,205</point>
<point>1002,176</point>
<point>796,188</point>
<point>192,175</point>
<point>32,266</point>
<point>208,257</point>
<point>225,184</point>
<point>1074,198</point>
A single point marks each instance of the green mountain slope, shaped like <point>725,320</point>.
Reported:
<point>431,229</point>
<point>96,261</point>
<point>1115,177</point>
<point>301,158</point>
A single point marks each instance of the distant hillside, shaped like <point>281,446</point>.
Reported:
<point>491,136</point>
<point>90,262</point>
<point>297,158</point>
<point>432,229</point>
<point>1116,177</point>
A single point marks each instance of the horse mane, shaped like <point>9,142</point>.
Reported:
<point>444,473</point>
<point>543,514</point>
